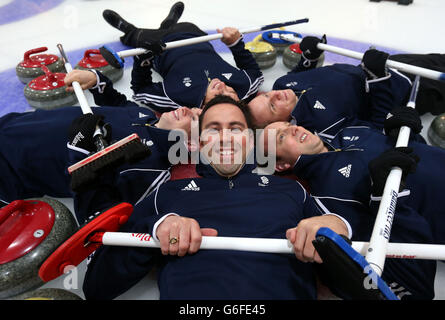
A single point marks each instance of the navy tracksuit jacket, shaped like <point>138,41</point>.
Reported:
<point>333,97</point>
<point>339,181</point>
<point>247,205</point>
<point>37,165</point>
<point>186,72</point>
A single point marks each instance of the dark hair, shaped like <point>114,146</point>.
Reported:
<point>219,99</point>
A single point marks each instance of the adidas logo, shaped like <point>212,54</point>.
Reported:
<point>346,171</point>
<point>318,105</point>
<point>227,75</point>
<point>141,115</point>
<point>191,187</point>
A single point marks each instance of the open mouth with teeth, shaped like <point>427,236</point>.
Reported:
<point>303,137</point>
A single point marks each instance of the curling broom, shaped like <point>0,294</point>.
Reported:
<point>128,149</point>
<point>403,67</point>
<point>116,59</point>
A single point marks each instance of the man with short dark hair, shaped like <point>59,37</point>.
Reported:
<point>229,200</point>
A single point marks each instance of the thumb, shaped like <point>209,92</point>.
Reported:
<point>209,232</point>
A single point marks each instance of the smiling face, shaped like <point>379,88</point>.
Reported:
<point>179,119</point>
<point>217,87</point>
<point>225,140</point>
<point>272,106</point>
<point>291,142</point>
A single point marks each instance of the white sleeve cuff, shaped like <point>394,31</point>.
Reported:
<point>235,43</point>
<point>100,86</point>
<point>153,233</point>
<point>348,226</point>
<point>368,82</point>
<point>69,146</point>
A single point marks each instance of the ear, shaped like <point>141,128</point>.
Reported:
<point>281,166</point>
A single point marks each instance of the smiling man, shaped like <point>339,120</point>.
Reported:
<point>329,98</point>
<point>346,174</point>
<point>43,136</point>
<point>229,200</point>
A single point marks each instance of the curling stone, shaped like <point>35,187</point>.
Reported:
<point>292,56</point>
<point>92,59</point>
<point>30,67</point>
<point>280,45</point>
<point>436,131</point>
<point>48,91</point>
<point>30,230</point>
<point>47,294</point>
<point>264,53</point>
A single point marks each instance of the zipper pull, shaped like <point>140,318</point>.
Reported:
<point>230,184</point>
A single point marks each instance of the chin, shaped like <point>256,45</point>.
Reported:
<point>227,170</point>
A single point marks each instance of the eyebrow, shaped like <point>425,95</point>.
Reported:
<point>230,124</point>
<point>281,130</point>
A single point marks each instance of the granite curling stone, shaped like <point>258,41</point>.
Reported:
<point>436,131</point>
<point>47,294</point>
<point>92,59</point>
<point>30,67</point>
<point>30,231</point>
<point>273,37</point>
<point>49,91</point>
<point>292,56</point>
<point>264,53</point>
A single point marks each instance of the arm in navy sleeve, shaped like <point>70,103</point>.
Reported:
<point>304,65</point>
<point>105,95</point>
<point>141,74</point>
<point>244,60</point>
<point>357,215</point>
<point>385,94</point>
<point>145,90</point>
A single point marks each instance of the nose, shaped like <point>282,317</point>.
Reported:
<point>274,96</point>
<point>293,130</point>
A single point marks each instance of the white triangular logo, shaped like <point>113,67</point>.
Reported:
<point>346,171</point>
<point>227,75</point>
<point>141,115</point>
<point>192,186</point>
<point>318,105</point>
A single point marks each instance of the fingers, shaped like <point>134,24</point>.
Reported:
<point>229,35</point>
<point>179,236</point>
<point>85,78</point>
<point>301,238</point>
<point>174,239</point>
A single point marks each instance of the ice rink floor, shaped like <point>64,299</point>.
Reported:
<point>78,25</point>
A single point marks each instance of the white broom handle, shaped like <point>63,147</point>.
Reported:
<point>381,232</point>
<point>265,245</point>
<point>423,72</point>
<point>210,37</point>
<point>77,88</point>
